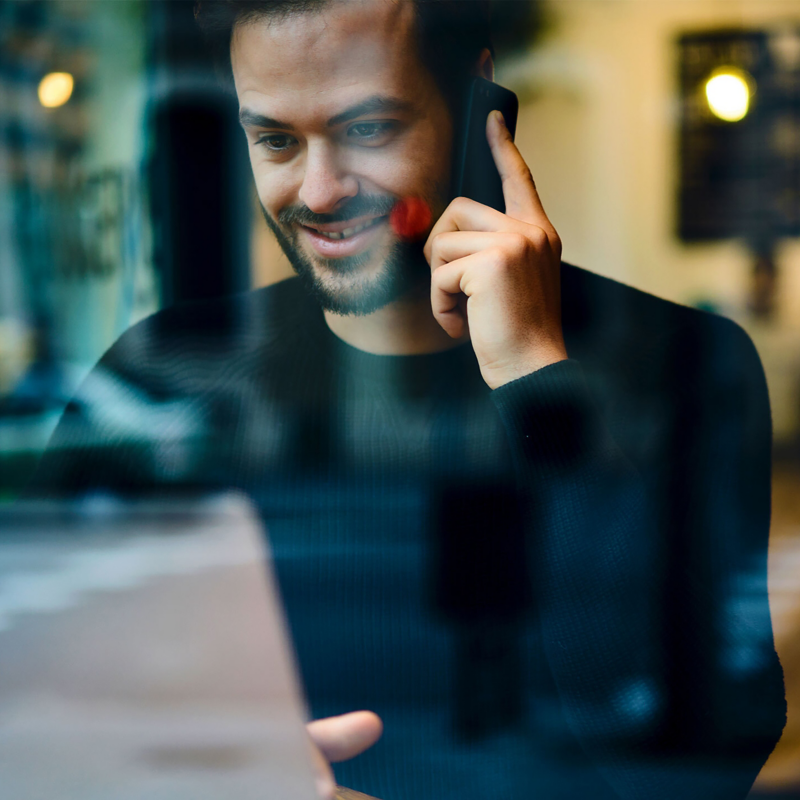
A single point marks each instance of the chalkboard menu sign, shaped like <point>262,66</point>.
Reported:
<point>740,136</point>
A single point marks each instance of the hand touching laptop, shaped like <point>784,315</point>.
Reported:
<point>339,739</point>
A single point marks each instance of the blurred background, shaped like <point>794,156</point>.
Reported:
<point>664,136</point>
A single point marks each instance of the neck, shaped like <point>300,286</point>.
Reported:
<point>403,328</point>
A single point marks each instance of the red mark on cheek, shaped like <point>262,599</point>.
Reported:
<point>410,218</point>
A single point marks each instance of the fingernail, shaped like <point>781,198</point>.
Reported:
<point>499,117</point>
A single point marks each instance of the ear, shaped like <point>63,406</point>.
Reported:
<point>484,66</point>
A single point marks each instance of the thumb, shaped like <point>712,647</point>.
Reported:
<point>345,736</point>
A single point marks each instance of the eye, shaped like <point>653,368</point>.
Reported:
<point>370,132</point>
<point>276,142</point>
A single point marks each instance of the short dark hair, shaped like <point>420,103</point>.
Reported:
<point>451,34</point>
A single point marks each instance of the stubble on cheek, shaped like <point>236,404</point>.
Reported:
<point>344,285</point>
<point>388,270</point>
<point>361,284</point>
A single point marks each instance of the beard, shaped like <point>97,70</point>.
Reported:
<point>404,272</point>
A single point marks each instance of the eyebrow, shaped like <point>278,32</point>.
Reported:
<point>377,103</point>
<point>370,106</point>
<point>251,119</point>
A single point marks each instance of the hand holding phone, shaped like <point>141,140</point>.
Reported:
<point>495,256</point>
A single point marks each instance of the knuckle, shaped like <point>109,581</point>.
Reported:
<point>519,244</point>
<point>539,238</point>
<point>460,204</point>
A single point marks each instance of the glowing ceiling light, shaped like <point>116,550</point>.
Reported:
<point>55,89</point>
<point>729,92</point>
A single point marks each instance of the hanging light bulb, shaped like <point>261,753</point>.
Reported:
<point>729,91</point>
<point>55,89</point>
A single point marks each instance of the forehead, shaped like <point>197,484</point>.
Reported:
<point>323,59</point>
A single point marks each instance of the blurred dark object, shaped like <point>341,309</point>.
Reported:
<point>482,587</point>
<point>742,177</point>
<point>765,275</point>
<point>740,167</point>
<point>516,25</point>
<point>200,180</point>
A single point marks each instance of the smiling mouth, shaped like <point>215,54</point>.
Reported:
<point>346,233</point>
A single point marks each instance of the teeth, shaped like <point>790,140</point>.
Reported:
<point>348,232</point>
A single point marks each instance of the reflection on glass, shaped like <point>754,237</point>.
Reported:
<point>55,89</point>
<point>564,595</point>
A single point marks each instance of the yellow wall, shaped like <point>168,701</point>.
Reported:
<point>599,131</point>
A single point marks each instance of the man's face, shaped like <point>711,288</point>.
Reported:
<point>342,120</point>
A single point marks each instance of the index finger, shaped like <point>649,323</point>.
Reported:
<point>519,189</point>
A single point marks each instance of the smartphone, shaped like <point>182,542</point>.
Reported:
<point>475,174</point>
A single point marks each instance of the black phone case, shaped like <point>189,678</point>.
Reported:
<point>476,175</point>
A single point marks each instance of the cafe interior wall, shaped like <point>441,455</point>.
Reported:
<point>94,311</point>
<point>75,263</point>
<point>598,126</point>
<point>86,283</point>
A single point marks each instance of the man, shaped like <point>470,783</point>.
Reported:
<point>518,510</point>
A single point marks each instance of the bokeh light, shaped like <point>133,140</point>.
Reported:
<point>55,89</point>
<point>729,92</point>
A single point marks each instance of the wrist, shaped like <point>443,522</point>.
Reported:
<point>500,374</point>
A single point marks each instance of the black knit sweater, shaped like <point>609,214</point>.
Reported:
<point>553,589</point>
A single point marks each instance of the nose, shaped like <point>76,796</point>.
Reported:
<point>325,183</point>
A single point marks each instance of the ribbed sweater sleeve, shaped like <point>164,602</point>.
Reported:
<point>603,569</point>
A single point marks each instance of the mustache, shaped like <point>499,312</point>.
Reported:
<point>359,206</point>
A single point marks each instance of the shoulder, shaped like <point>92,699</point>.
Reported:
<point>151,404</point>
<point>613,324</point>
<point>193,356</point>
<point>201,336</point>
<point>236,319</point>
